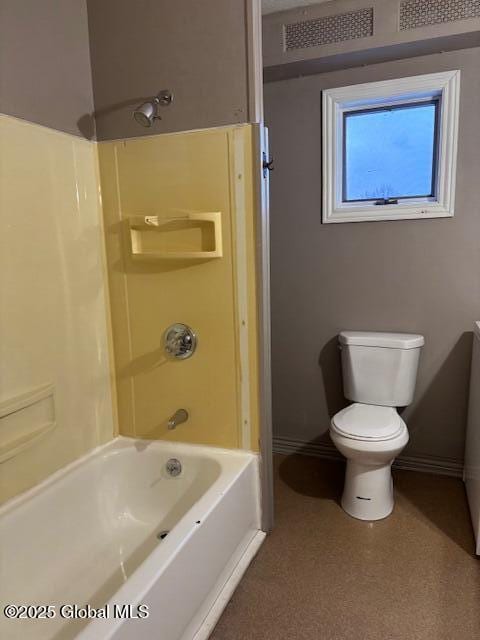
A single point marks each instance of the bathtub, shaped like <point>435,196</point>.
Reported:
<point>92,541</point>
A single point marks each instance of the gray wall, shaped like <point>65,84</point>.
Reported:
<point>45,74</point>
<point>196,49</point>
<point>417,276</point>
<point>49,51</point>
<point>387,42</point>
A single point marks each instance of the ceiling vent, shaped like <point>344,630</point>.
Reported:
<point>328,30</point>
<point>422,13</point>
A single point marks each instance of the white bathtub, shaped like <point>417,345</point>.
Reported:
<point>88,535</point>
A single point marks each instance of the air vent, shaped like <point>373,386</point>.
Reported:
<point>330,29</point>
<point>422,13</point>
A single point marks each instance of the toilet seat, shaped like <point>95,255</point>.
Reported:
<point>368,422</point>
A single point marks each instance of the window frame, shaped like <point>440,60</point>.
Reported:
<point>443,88</point>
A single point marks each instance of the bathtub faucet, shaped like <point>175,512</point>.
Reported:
<point>178,417</point>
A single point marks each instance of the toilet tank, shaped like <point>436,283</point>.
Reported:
<point>380,368</point>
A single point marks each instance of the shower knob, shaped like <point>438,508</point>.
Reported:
<point>180,341</point>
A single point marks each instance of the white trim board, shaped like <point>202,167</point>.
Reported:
<point>262,180</point>
<point>426,464</point>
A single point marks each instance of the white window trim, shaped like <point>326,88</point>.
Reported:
<point>336,101</point>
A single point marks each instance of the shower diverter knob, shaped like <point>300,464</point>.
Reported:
<point>180,341</point>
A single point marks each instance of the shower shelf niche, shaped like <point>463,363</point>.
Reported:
<point>24,419</point>
<point>187,236</point>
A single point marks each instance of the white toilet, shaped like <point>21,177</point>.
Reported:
<point>379,374</point>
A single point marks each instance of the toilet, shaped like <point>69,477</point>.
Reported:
<point>379,374</point>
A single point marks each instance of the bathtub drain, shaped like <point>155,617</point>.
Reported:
<point>163,534</point>
<point>174,467</point>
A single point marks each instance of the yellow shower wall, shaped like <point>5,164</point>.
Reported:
<point>53,307</point>
<point>167,175</point>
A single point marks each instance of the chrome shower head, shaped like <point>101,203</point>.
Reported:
<point>147,112</point>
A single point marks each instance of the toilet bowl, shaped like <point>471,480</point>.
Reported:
<point>370,437</point>
<point>379,374</point>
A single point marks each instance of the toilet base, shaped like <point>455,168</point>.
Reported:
<point>368,491</point>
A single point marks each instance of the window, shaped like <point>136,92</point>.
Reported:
<point>389,149</point>
<point>390,152</point>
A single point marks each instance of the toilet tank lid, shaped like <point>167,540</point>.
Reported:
<point>382,339</point>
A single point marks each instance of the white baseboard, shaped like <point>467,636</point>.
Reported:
<point>223,598</point>
<point>426,464</point>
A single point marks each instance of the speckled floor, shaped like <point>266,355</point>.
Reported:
<point>322,575</point>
